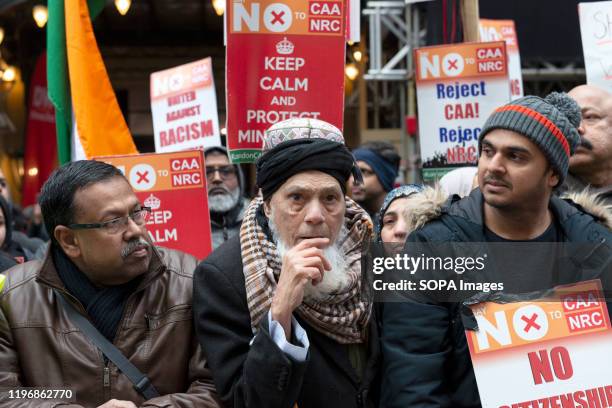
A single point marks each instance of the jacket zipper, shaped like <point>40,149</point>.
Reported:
<point>106,389</point>
<point>106,377</point>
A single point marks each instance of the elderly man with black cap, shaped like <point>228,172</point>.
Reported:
<point>280,310</point>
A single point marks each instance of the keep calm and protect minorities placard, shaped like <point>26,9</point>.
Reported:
<point>458,86</point>
<point>554,352</point>
<point>174,186</point>
<point>184,107</point>
<point>284,60</point>
<point>596,32</point>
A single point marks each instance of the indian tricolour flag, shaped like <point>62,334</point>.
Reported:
<point>88,119</point>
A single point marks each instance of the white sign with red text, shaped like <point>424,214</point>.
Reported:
<point>458,86</point>
<point>596,33</point>
<point>184,107</point>
<point>503,30</point>
<point>553,352</point>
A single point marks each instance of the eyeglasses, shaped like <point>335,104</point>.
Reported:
<point>224,171</point>
<point>118,224</point>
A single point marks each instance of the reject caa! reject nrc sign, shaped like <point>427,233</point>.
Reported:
<point>458,86</point>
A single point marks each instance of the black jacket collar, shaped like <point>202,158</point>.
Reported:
<point>576,225</point>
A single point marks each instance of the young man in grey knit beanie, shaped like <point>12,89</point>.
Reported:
<point>525,148</point>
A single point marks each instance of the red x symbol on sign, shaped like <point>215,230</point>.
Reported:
<point>531,322</point>
<point>452,64</point>
<point>142,176</point>
<point>276,17</point>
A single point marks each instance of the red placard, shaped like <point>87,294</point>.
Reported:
<point>174,186</point>
<point>284,60</point>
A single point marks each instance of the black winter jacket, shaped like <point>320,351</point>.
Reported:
<point>252,371</point>
<point>426,360</point>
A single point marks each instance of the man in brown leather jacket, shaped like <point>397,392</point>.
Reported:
<point>137,296</point>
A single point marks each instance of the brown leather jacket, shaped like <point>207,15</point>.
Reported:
<point>41,347</point>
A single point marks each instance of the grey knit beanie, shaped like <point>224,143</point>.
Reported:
<point>551,123</point>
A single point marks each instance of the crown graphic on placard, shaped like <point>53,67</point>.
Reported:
<point>152,202</point>
<point>285,46</point>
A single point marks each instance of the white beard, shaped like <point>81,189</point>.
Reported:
<point>221,203</point>
<point>334,280</point>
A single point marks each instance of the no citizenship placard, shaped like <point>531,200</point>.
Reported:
<point>553,352</point>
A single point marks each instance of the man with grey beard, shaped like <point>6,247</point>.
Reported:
<point>334,278</point>
<point>101,268</point>
<point>280,310</point>
<point>225,195</point>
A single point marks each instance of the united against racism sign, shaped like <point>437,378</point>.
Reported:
<point>184,107</point>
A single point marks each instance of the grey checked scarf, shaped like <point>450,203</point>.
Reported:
<point>342,316</point>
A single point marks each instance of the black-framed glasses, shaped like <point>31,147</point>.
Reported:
<point>224,171</point>
<point>118,224</point>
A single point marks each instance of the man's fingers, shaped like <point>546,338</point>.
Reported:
<point>316,261</point>
<point>316,252</point>
<point>114,403</point>
<point>125,404</point>
<point>324,262</point>
<point>312,251</point>
<point>313,242</point>
<point>312,273</point>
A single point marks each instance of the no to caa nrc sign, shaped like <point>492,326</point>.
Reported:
<point>184,107</point>
<point>174,186</point>
<point>549,353</point>
<point>458,86</point>
<point>293,16</point>
<point>284,60</point>
<point>461,61</point>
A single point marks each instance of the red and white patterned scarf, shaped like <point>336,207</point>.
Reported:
<point>342,316</point>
